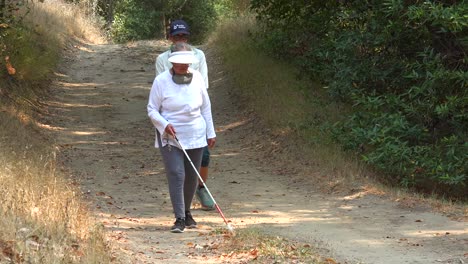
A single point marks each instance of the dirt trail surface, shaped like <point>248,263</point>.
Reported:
<point>106,140</point>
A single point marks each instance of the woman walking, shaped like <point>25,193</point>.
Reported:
<point>179,106</point>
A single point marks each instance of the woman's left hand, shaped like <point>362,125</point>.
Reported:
<point>211,142</point>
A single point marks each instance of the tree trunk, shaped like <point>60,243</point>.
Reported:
<point>110,13</point>
<point>165,26</point>
<point>163,21</point>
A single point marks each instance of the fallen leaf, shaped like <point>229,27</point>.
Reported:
<point>9,67</point>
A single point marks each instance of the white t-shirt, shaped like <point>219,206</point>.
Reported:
<point>162,63</point>
<point>186,106</point>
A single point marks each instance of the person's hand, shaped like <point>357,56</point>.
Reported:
<point>170,130</point>
<point>211,142</point>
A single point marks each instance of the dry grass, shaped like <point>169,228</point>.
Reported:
<point>57,19</point>
<point>259,78</point>
<point>35,47</point>
<point>43,215</point>
<point>43,218</point>
<point>253,246</point>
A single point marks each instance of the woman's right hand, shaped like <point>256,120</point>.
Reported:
<point>170,130</point>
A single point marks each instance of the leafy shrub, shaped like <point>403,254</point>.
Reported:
<point>8,20</point>
<point>32,58</point>
<point>133,21</point>
<point>199,14</point>
<point>401,64</point>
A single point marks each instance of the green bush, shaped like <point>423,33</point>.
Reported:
<point>136,20</point>
<point>199,14</point>
<point>33,58</point>
<point>401,64</point>
<point>133,20</point>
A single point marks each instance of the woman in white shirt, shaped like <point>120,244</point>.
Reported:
<point>179,105</point>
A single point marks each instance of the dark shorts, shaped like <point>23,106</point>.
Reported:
<point>206,157</point>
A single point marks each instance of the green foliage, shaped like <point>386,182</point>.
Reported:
<point>199,14</point>
<point>230,9</point>
<point>129,20</point>
<point>9,11</point>
<point>8,20</point>
<point>401,64</point>
<point>33,57</point>
<point>134,20</point>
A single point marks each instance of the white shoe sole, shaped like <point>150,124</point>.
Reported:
<point>177,230</point>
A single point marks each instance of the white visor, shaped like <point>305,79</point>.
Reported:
<point>183,57</point>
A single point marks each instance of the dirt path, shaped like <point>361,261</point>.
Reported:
<point>107,143</point>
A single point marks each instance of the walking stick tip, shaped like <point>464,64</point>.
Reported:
<point>230,228</point>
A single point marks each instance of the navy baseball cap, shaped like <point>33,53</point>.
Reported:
<point>179,27</point>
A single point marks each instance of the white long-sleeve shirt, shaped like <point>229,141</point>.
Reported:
<point>162,63</point>
<point>186,106</point>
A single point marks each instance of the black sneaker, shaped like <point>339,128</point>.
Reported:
<point>189,222</point>
<point>179,226</point>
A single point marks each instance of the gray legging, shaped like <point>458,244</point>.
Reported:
<point>181,176</point>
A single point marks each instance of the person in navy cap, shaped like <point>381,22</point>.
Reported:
<point>180,32</point>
